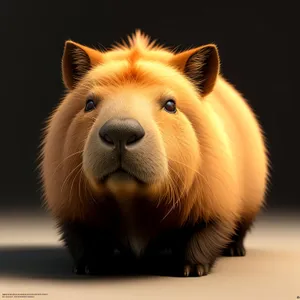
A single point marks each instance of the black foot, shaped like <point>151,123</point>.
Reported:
<point>236,249</point>
<point>197,270</point>
<point>78,270</point>
<point>91,268</point>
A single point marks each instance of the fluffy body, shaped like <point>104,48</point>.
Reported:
<point>205,167</point>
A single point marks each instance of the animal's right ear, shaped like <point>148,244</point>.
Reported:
<point>201,65</point>
<point>77,61</point>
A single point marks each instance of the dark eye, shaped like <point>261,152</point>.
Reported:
<point>89,105</point>
<point>170,106</point>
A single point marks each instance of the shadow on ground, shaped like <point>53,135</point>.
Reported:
<point>35,262</point>
<point>55,263</point>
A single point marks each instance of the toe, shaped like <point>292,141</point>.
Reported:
<point>187,270</point>
<point>234,250</point>
<point>241,251</point>
<point>202,270</point>
<point>78,270</point>
<point>196,270</point>
<point>87,270</point>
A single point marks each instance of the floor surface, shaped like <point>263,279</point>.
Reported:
<point>33,265</point>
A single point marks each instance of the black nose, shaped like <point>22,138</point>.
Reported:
<point>121,132</point>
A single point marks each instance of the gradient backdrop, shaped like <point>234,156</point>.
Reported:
<point>256,47</point>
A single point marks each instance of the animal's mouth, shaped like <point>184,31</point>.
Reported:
<point>120,175</point>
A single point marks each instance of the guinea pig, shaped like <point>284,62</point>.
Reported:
<point>151,149</point>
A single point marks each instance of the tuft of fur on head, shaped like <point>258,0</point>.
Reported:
<point>138,40</point>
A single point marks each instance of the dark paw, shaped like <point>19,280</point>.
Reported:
<point>196,270</point>
<point>79,270</point>
<point>234,250</point>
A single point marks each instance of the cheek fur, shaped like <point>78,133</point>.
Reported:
<point>182,150</point>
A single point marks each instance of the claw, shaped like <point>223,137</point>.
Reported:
<point>235,250</point>
<point>197,269</point>
<point>200,270</point>
<point>78,270</point>
<point>87,270</point>
<point>187,270</point>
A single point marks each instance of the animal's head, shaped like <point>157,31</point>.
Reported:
<point>133,116</point>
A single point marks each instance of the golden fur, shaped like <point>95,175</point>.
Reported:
<point>210,158</point>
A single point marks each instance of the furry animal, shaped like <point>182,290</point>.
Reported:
<point>151,149</point>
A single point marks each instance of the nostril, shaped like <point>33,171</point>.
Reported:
<point>136,134</point>
<point>107,139</point>
<point>132,140</point>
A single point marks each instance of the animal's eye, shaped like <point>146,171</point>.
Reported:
<point>170,106</point>
<point>89,105</point>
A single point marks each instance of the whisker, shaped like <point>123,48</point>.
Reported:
<point>79,186</point>
<point>70,175</point>
<point>70,193</point>
<point>88,190</point>
<point>175,203</point>
<point>71,155</point>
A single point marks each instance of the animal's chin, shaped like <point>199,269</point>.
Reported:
<point>120,176</point>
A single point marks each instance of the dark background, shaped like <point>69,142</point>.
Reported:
<point>256,46</point>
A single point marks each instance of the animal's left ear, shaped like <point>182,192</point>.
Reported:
<point>201,65</point>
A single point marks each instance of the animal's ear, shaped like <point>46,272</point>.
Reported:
<point>77,60</point>
<point>201,65</point>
